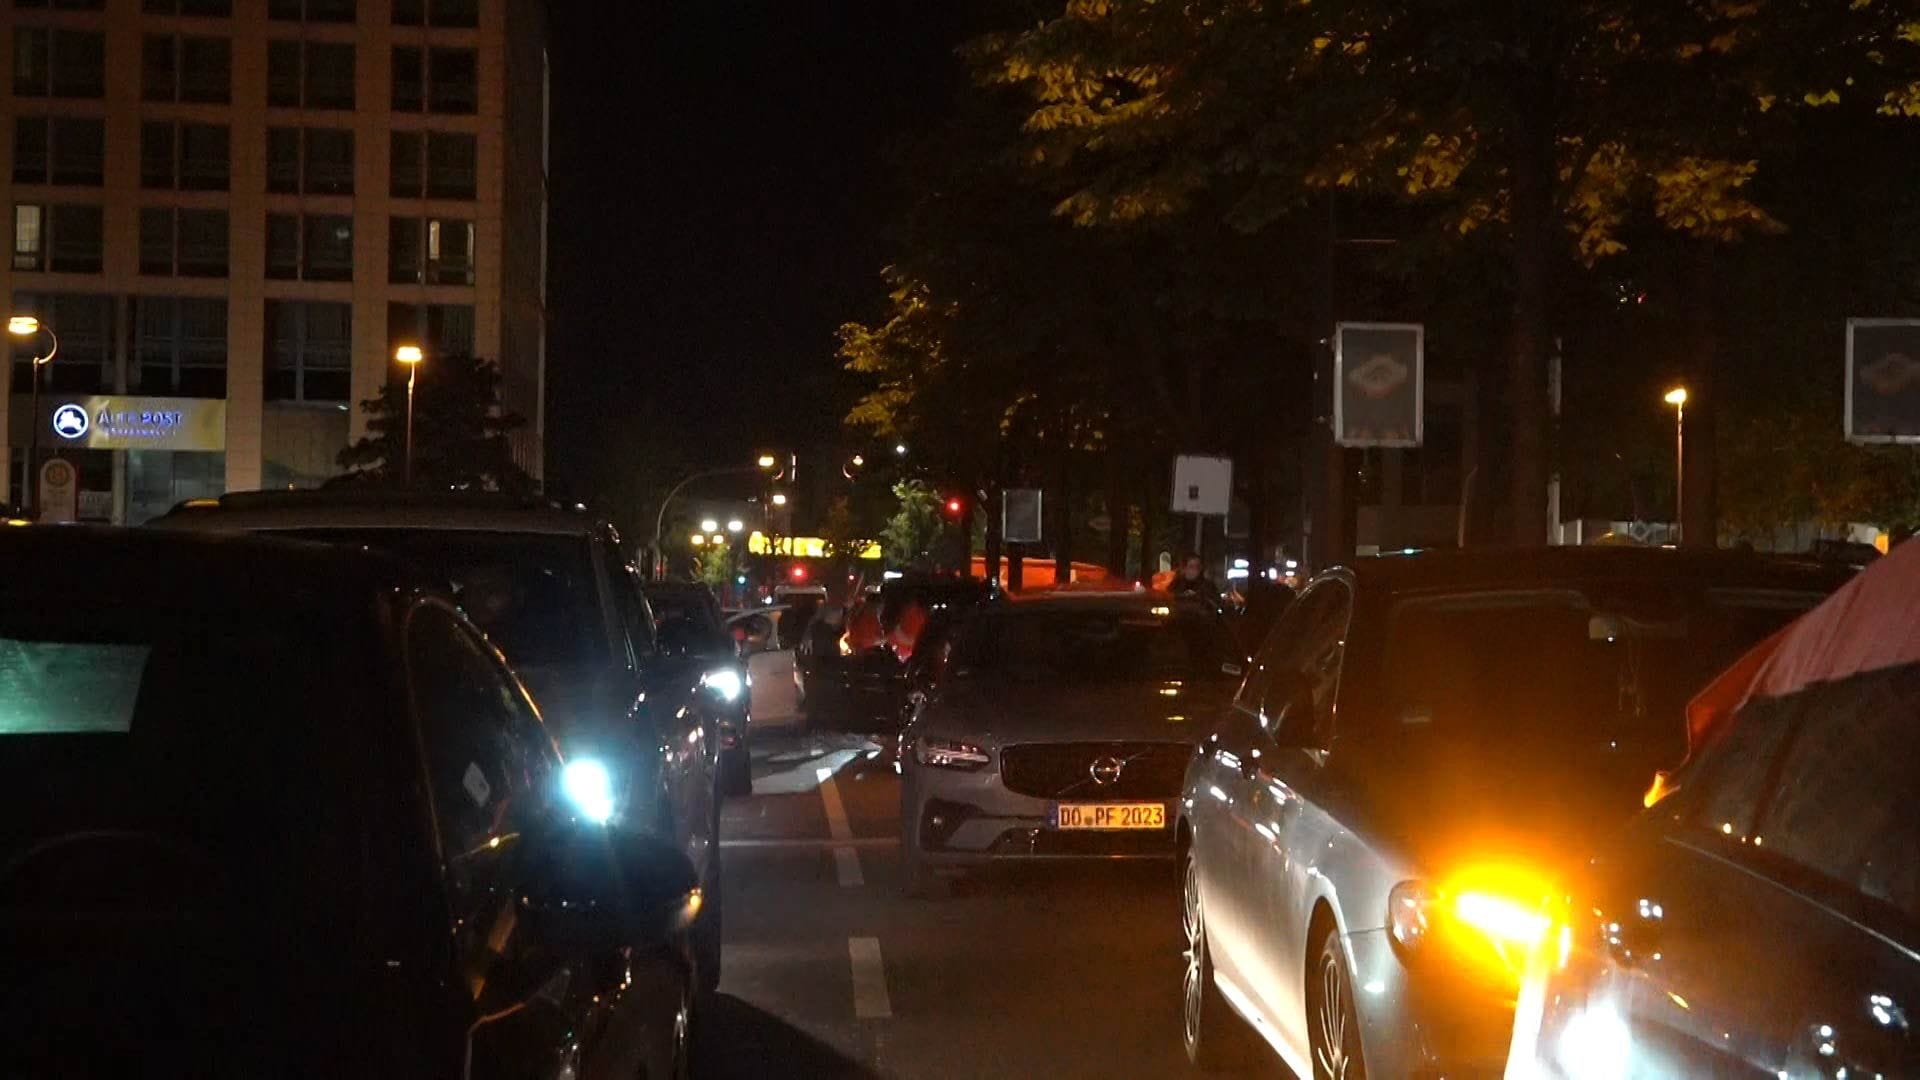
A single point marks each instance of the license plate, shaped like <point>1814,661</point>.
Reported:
<point>1104,816</point>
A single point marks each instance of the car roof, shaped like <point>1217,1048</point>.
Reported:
<point>1446,570</point>
<point>360,508</point>
<point>197,572</point>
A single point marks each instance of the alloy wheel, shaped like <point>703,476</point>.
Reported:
<point>1330,1058</point>
<point>1193,981</point>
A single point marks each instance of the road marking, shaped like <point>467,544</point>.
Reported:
<point>808,843</point>
<point>869,979</point>
<point>846,863</point>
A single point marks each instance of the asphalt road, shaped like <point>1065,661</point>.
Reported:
<point>828,971</point>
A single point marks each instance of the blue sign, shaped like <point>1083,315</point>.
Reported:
<point>70,421</point>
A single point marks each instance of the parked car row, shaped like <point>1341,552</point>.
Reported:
<point>1384,820</point>
<point>410,782</point>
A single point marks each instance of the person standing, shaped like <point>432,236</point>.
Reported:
<point>1192,580</point>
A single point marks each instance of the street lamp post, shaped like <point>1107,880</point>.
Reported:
<point>1677,397</point>
<point>410,355</point>
<point>26,326</point>
<point>660,516</point>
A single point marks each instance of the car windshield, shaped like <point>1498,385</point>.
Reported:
<point>533,593</point>
<point>1566,669</point>
<point>1095,644</point>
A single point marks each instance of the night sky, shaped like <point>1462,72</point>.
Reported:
<point>722,182</point>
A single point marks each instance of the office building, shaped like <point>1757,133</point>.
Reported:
<point>230,212</point>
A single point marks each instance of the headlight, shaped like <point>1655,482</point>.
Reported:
<point>724,681</point>
<point>589,787</point>
<point>949,754</point>
<point>1477,916</point>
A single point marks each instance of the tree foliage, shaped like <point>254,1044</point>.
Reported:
<point>460,432</point>
<point>912,533</point>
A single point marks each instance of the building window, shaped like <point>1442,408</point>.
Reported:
<point>62,238</point>
<point>189,243</point>
<point>309,351</point>
<point>180,346</point>
<point>316,74</point>
<point>438,80</point>
<point>29,237</point>
<point>439,165</point>
<point>442,329</point>
<point>452,13</point>
<point>313,247</point>
<point>61,63</point>
<point>409,79</point>
<point>191,69</point>
<point>436,251</point>
<point>60,150</point>
<point>205,9</point>
<point>334,11</point>
<point>191,157</point>
<point>318,161</point>
<point>85,365</point>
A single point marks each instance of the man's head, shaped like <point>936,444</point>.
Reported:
<point>1190,568</point>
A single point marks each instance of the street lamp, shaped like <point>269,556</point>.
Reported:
<point>1677,397</point>
<point>26,326</point>
<point>767,461</point>
<point>736,525</point>
<point>708,525</point>
<point>779,498</point>
<point>410,355</point>
<point>899,449</point>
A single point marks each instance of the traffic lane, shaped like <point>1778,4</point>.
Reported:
<point>1059,970</point>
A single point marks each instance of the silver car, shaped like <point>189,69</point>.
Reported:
<point>1424,745</point>
<point>1059,727</point>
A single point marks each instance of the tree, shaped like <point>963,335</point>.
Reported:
<point>460,433</point>
<point>911,535</point>
<point>1549,127</point>
<point>716,565</point>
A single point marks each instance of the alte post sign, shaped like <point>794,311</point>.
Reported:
<point>118,422</point>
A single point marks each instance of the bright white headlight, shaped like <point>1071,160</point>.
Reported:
<point>589,787</point>
<point>724,681</point>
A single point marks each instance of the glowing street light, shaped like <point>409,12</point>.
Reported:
<point>697,540</point>
<point>779,498</point>
<point>709,525</point>
<point>736,525</point>
<point>767,461</point>
<point>899,449</point>
<point>26,326</point>
<point>1677,397</point>
<point>411,356</point>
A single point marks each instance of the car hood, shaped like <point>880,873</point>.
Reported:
<point>1004,713</point>
<point>1447,812</point>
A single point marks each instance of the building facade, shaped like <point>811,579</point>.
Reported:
<point>230,213</point>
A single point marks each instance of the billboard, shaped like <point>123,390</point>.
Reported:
<point>125,422</point>
<point>1021,521</point>
<point>1883,381</point>
<point>1202,485</point>
<point>1379,374</point>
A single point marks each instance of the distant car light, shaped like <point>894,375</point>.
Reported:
<point>949,754</point>
<point>724,681</point>
<point>590,788</point>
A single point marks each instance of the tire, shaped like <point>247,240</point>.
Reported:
<point>736,772</point>
<point>1333,1028</point>
<point>1214,1036</point>
<point>918,881</point>
<point>707,932</point>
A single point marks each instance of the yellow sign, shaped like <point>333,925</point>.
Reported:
<point>119,422</point>
<point>802,547</point>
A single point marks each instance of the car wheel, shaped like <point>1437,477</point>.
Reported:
<point>917,880</point>
<point>707,932</point>
<point>1216,1039</point>
<point>1333,1028</point>
<point>736,772</point>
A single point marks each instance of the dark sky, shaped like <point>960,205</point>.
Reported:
<point>721,188</point>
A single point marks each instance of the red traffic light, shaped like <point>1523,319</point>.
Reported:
<point>954,506</point>
<point>798,573</point>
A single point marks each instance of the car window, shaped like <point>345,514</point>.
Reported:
<point>1310,642</point>
<point>534,594</point>
<point>481,778</point>
<point>1728,777</point>
<point>1053,644</point>
<point>1843,805</point>
<point>629,606</point>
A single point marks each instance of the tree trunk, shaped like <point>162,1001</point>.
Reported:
<point>1063,518</point>
<point>991,506</point>
<point>1699,510</point>
<point>1534,220</point>
<point>1119,514</point>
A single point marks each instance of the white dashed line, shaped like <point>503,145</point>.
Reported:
<point>869,979</point>
<point>846,862</point>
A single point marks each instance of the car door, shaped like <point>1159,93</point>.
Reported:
<point>515,994</point>
<point>1784,902</point>
<point>775,692</point>
<point>1289,815</point>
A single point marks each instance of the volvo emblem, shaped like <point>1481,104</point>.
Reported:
<point>70,421</point>
<point>1105,770</point>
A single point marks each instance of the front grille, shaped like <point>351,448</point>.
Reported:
<point>1063,770</point>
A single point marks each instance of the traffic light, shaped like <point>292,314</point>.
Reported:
<point>955,506</point>
<point>798,572</point>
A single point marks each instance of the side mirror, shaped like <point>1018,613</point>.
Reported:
<point>1290,704</point>
<point>598,889</point>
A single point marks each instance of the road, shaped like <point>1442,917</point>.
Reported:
<point>828,971</point>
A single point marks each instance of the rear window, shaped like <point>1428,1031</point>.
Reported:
<point>1096,645</point>
<point>533,593</point>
